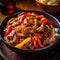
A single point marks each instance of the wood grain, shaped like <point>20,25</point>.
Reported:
<point>27,5</point>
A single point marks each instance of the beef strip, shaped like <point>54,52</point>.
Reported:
<point>46,41</point>
<point>14,41</point>
<point>28,30</point>
<point>40,29</point>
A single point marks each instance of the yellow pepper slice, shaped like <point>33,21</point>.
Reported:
<point>20,45</point>
<point>20,34</point>
<point>19,28</point>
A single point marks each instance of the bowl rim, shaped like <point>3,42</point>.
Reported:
<point>31,50</point>
<point>47,5</point>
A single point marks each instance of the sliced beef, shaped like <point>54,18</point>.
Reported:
<point>14,41</point>
<point>40,29</point>
<point>46,41</point>
<point>29,30</point>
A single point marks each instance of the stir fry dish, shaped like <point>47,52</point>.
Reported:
<point>30,30</point>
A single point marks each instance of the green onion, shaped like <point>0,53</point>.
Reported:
<point>48,29</point>
<point>29,35</point>
<point>21,40</point>
<point>36,23</point>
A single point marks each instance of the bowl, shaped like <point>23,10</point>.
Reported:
<point>25,52</point>
<point>49,8</point>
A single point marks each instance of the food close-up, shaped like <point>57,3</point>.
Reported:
<point>29,29</point>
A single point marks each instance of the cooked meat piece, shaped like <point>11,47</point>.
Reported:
<point>46,34</point>
<point>10,36</point>
<point>29,30</point>
<point>29,46</point>
<point>40,29</point>
<point>14,41</point>
<point>27,24</point>
<point>39,35</point>
<point>47,26</point>
<point>46,42</point>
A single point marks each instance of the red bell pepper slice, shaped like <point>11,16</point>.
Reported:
<point>51,35</point>
<point>24,16</point>
<point>45,21</point>
<point>39,43</point>
<point>9,29</point>
<point>34,43</point>
<point>31,21</point>
<point>40,16</point>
